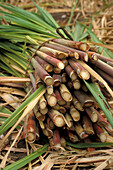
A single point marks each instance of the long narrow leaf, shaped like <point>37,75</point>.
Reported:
<point>22,162</point>
<point>46,16</point>
<point>92,144</point>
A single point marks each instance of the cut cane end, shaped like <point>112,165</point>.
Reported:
<point>84,47</point>
<point>94,57</point>
<point>30,137</point>
<point>88,103</point>
<point>76,55</point>
<point>49,89</point>
<point>94,117</point>
<point>62,55</point>
<point>84,75</point>
<point>59,121</point>
<point>103,137</point>
<point>61,65</point>
<point>76,85</point>
<point>73,76</point>
<point>53,101</point>
<point>42,105</point>
<point>49,68</point>
<point>67,96</point>
<point>49,80</point>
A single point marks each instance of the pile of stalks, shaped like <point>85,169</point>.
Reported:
<point>68,110</point>
<point>69,85</point>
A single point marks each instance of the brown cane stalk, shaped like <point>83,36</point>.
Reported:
<point>103,66</point>
<point>92,113</point>
<point>76,53</point>
<point>57,118</point>
<point>60,100</point>
<point>57,79</point>
<point>54,53</point>
<point>80,131</point>
<point>66,95</point>
<point>105,59</point>
<point>48,80</point>
<point>18,85</point>
<point>12,79</point>
<point>74,113</point>
<point>83,98</point>
<point>44,111</point>
<point>50,123</point>
<point>51,99</point>
<point>57,70</point>
<point>65,50</point>
<point>55,62</point>
<point>100,133</point>
<point>31,128</point>
<point>107,77</point>
<point>96,75</point>
<point>81,72</point>
<point>77,104</point>
<point>56,139</point>
<point>65,62</point>
<point>40,116</point>
<point>92,56</point>
<point>64,78</point>
<point>71,73</point>
<point>62,109</point>
<point>87,125</point>
<point>69,120</point>
<point>73,44</point>
<point>48,67</point>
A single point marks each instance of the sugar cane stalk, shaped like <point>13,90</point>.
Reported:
<point>81,72</point>
<point>66,95</point>
<point>55,62</point>
<point>73,44</point>
<point>54,53</point>
<point>31,128</point>
<point>83,98</point>
<point>48,80</point>
<point>48,67</point>
<point>57,118</point>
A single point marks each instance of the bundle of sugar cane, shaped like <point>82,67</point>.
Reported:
<point>70,108</point>
<point>74,77</point>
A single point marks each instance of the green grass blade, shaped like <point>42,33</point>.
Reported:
<point>18,112</point>
<point>22,162</point>
<point>88,145</point>
<point>46,16</point>
<point>72,12</point>
<point>100,102</point>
